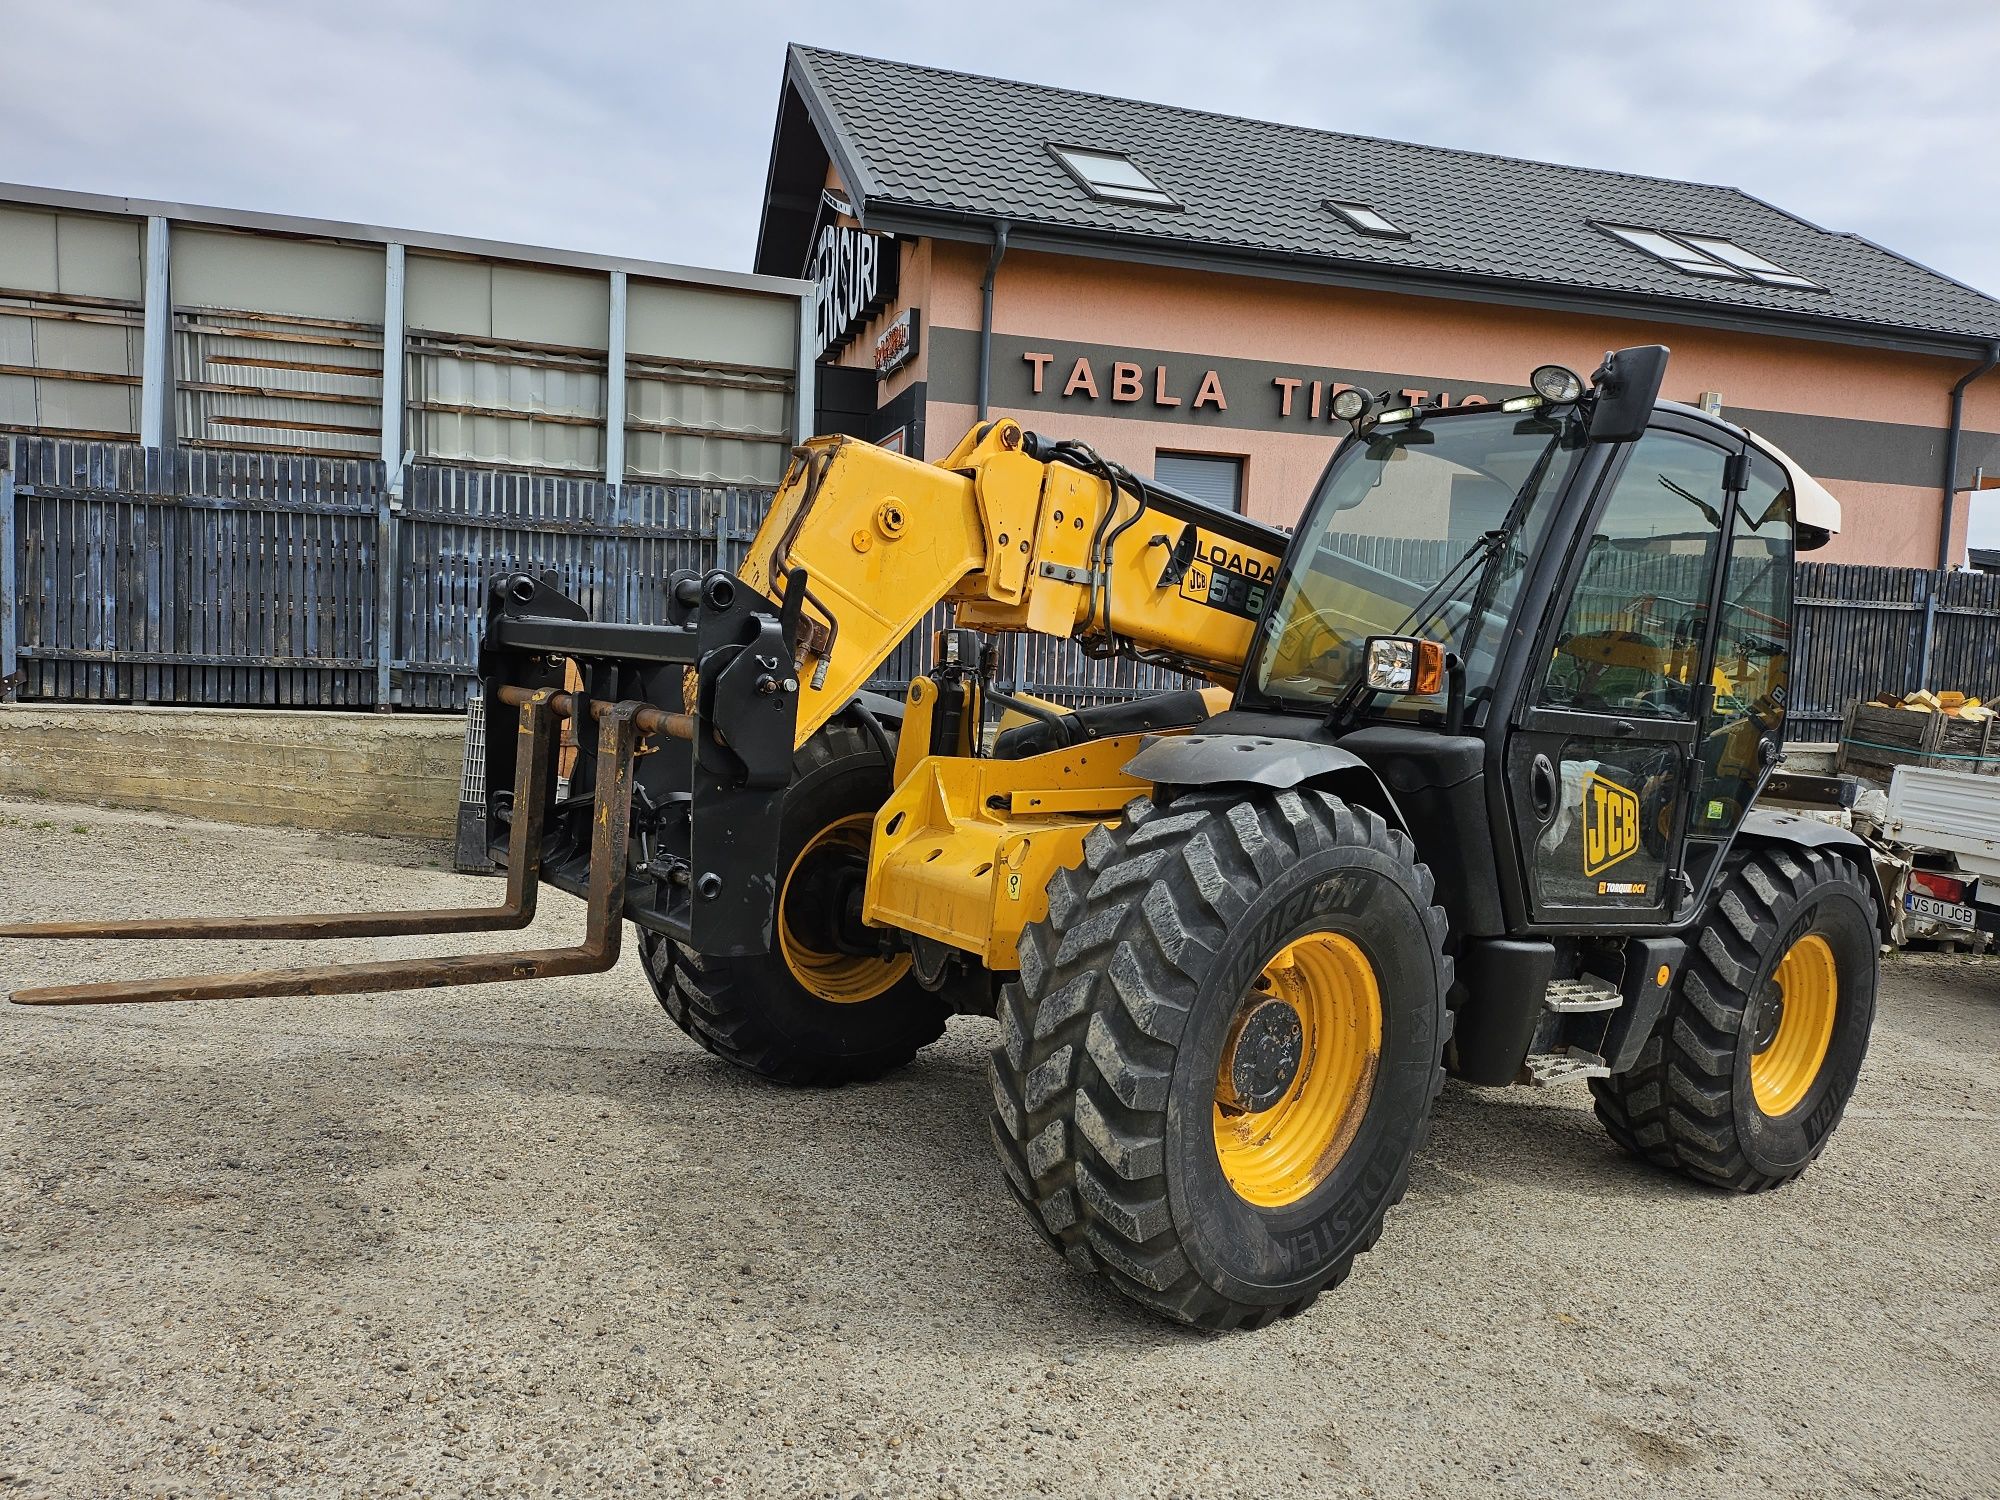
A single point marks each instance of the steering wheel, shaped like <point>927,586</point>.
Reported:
<point>1308,639</point>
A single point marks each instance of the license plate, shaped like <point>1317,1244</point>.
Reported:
<point>1948,912</point>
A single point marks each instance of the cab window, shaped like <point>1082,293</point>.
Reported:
<point>1630,642</point>
<point>1753,646</point>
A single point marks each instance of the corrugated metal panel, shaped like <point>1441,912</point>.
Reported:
<point>476,400</point>
<point>726,424</point>
<point>289,385</point>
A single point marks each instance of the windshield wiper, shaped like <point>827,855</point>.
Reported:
<point>1489,546</point>
<point>1483,546</point>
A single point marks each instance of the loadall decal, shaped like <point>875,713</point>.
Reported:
<point>1610,823</point>
<point>1223,578</point>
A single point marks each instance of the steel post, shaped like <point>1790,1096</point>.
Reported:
<point>10,563</point>
<point>805,419</point>
<point>389,502</point>
<point>614,389</point>
<point>392,357</point>
<point>1933,585</point>
<point>156,368</point>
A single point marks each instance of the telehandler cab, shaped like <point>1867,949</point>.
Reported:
<point>1471,792</point>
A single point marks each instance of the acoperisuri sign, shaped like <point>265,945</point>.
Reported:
<point>854,273</point>
<point>1167,390</point>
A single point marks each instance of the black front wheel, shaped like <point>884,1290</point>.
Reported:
<point>1220,1058</point>
<point>829,1004</point>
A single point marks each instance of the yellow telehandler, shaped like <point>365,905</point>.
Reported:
<point>1449,802</point>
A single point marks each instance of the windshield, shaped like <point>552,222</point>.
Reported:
<point>1424,529</point>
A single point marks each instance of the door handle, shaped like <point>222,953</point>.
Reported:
<point>1542,786</point>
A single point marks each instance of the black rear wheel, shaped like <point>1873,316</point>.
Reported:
<point>1221,1054</point>
<point>829,1004</point>
<point>1753,1060</point>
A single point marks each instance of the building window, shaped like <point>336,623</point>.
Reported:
<point>1113,175</point>
<point>1360,216</point>
<point>1206,476</point>
<point>1710,255</point>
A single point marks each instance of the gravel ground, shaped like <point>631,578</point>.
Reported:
<point>529,1239</point>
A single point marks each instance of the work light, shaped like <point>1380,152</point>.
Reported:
<point>1348,405</point>
<point>1401,664</point>
<point>1554,383</point>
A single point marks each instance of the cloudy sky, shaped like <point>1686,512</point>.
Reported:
<point>643,128</point>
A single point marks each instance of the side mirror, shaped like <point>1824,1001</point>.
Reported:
<point>1627,386</point>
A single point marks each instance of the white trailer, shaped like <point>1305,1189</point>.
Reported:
<point>1948,823</point>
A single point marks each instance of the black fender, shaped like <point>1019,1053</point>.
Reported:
<point>1766,827</point>
<point>1175,762</point>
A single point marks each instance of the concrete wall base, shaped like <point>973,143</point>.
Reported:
<point>346,773</point>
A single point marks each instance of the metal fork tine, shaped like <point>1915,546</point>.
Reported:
<point>610,832</point>
<point>524,854</point>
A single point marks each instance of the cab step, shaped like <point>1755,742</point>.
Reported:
<point>1586,992</point>
<point>1543,1068</point>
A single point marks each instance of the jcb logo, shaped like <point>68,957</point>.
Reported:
<point>1610,823</point>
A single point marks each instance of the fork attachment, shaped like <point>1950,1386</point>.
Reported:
<point>682,843</point>
<point>620,728</point>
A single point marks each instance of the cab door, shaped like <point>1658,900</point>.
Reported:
<point>1602,753</point>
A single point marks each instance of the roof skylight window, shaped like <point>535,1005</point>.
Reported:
<point>1750,263</point>
<point>1113,176</point>
<point>1710,255</point>
<point>1360,216</point>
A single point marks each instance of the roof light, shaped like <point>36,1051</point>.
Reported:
<point>1555,384</point>
<point>1400,414</point>
<point>1747,261</point>
<point>1523,403</point>
<point>1360,216</point>
<point>1348,405</point>
<point>1710,255</point>
<point>1114,176</point>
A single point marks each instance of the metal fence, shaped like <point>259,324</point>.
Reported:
<point>257,580</point>
<point>1868,630</point>
<point>246,579</point>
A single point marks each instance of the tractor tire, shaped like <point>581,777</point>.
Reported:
<point>1139,1113</point>
<point>806,1013</point>
<point>1755,1055</point>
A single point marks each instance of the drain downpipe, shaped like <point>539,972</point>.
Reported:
<point>1952,443</point>
<point>986,315</point>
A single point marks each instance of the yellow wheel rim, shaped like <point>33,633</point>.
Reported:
<point>1276,1156</point>
<point>1783,1068</point>
<point>840,978</point>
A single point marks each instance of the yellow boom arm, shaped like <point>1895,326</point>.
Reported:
<point>1053,545</point>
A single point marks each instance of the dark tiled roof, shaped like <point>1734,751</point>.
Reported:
<point>934,141</point>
